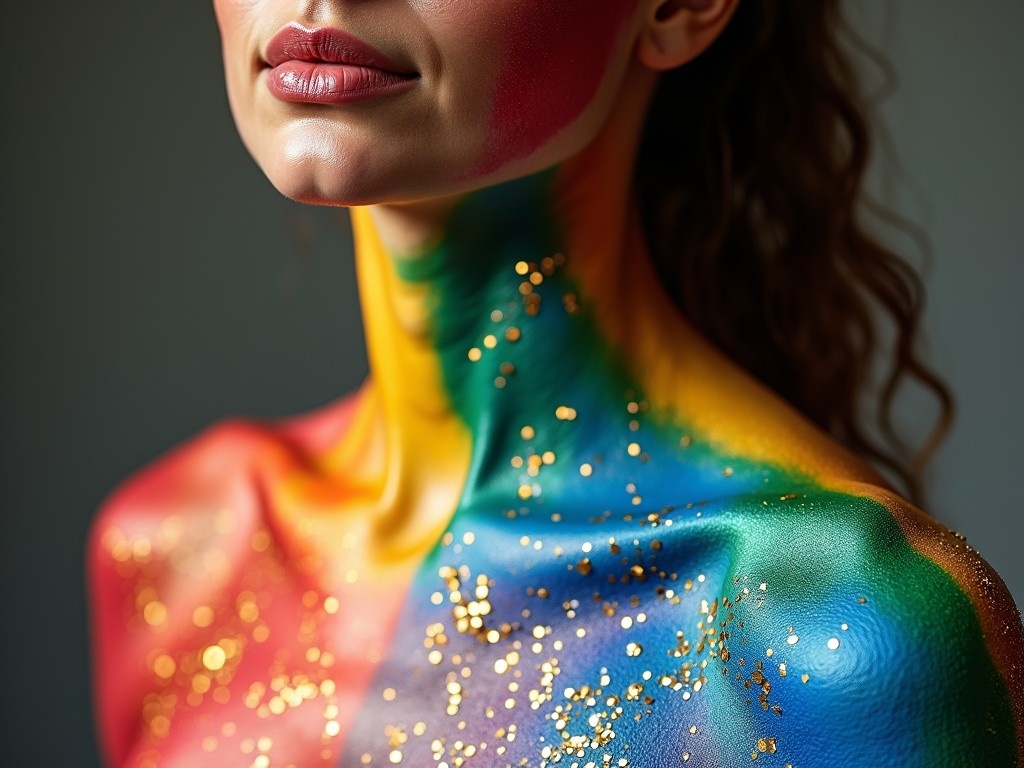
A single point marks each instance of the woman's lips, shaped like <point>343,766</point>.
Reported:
<point>329,66</point>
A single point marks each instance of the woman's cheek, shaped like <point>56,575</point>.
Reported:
<point>555,57</point>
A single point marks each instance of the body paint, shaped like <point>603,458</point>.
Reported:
<point>621,581</point>
<point>549,73</point>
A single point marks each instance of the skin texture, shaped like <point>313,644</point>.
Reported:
<point>556,526</point>
<point>543,74</point>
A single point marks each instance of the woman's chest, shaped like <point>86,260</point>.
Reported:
<point>514,641</point>
<point>264,669</point>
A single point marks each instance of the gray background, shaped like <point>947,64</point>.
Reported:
<point>153,282</point>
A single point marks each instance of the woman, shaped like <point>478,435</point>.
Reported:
<point>558,526</point>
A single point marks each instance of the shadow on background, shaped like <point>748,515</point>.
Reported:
<point>154,282</point>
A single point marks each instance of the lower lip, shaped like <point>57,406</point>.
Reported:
<point>309,82</point>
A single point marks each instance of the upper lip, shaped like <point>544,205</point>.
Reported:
<point>329,45</point>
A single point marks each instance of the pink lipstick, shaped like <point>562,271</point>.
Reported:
<point>329,66</point>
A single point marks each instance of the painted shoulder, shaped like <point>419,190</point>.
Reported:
<point>175,532</point>
<point>869,633</point>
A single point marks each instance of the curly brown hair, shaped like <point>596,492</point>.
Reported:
<point>753,202</point>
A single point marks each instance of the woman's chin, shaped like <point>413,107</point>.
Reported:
<point>320,183</point>
<point>321,168</point>
<point>352,184</point>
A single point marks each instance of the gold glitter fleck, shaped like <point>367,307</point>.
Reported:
<point>474,354</point>
<point>586,470</point>
<point>527,432</point>
<point>512,334</point>
<point>164,666</point>
<point>214,658</point>
<point>160,725</point>
<point>261,540</point>
<point>200,683</point>
<point>155,613</point>
<point>203,616</point>
<point>247,609</point>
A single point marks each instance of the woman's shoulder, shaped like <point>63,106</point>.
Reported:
<point>852,535</point>
<point>177,531</point>
<point>851,602</point>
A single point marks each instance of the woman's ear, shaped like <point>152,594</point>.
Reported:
<point>677,31</point>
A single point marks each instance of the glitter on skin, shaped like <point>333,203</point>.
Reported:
<point>497,649</point>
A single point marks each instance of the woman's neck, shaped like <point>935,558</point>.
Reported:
<point>524,360</point>
<point>483,349</point>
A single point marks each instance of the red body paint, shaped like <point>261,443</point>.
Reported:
<point>550,72</point>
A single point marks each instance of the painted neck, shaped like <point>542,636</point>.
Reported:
<point>523,355</point>
<point>477,324</point>
<point>453,328</point>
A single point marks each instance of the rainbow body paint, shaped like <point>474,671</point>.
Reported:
<point>558,529</point>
